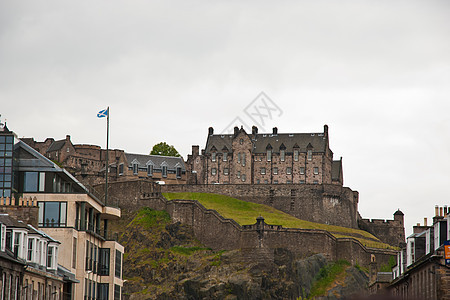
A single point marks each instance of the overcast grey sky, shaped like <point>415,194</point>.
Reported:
<point>377,72</point>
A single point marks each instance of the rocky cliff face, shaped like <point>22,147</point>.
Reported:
<point>164,261</point>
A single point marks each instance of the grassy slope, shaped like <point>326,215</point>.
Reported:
<point>245,213</point>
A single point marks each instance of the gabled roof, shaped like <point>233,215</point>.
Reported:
<point>11,222</point>
<point>288,140</point>
<point>56,145</point>
<point>157,160</point>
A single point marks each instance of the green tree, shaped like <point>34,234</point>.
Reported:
<point>164,149</point>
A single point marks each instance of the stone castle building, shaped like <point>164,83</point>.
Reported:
<point>264,158</point>
<point>87,162</point>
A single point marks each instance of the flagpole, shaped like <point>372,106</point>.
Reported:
<point>107,155</point>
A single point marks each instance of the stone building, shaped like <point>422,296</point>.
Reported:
<point>423,267</point>
<point>70,214</point>
<point>87,162</point>
<point>264,158</point>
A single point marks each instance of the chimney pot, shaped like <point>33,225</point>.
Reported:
<point>210,131</point>
<point>325,129</point>
<point>425,222</point>
<point>275,131</point>
<point>441,211</point>
<point>254,130</point>
<point>236,130</point>
<point>436,211</point>
<point>67,137</point>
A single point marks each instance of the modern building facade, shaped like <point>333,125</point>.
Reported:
<point>75,218</point>
<point>264,158</point>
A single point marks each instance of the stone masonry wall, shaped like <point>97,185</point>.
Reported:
<point>218,233</point>
<point>328,204</point>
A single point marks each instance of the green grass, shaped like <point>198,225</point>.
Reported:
<point>187,250</point>
<point>327,275</point>
<point>245,213</point>
<point>148,217</point>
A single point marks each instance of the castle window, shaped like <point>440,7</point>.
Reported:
<point>288,182</point>
<point>121,169</point>
<point>282,155</point>
<point>263,171</point>
<point>225,171</point>
<point>164,171</point>
<point>225,156</point>
<point>239,158</point>
<point>178,172</point>
<point>238,174</point>
<point>135,168</point>
<point>149,170</point>
<point>316,182</point>
<point>213,171</point>
<point>257,181</point>
<point>243,177</point>
<point>266,182</point>
<point>302,170</point>
<point>302,181</point>
<point>243,159</point>
<point>68,150</point>
<point>275,181</point>
<point>269,155</point>
<point>213,156</point>
<point>288,170</point>
<point>241,141</point>
<point>275,170</point>
<point>296,155</point>
<point>316,170</point>
<point>309,155</point>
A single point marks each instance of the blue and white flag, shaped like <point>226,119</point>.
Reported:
<point>102,113</point>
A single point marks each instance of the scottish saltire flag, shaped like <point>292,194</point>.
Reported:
<point>102,113</point>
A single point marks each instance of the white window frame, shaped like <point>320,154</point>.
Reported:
<point>3,237</point>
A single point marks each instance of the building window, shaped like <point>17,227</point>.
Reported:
<point>225,171</point>
<point>213,171</point>
<point>30,181</point>
<point>302,181</point>
<point>243,177</point>
<point>150,170</point>
<point>275,181</point>
<point>51,257</point>
<point>275,171</point>
<point>31,248</point>
<point>316,170</point>
<point>257,181</point>
<point>309,155</point>
<point>263,171</point>
<point>282,155</point>
<point>2,237</point>
<point>289,170</point>
<point>238,174</point>
<point>269,155</point>
<point>52,214</point>
<point>265,181</point>
<point>295,155</point>
<point>302,171</point>
<point>239,158</point>
<point>178,172</point>
<point>103,269</point>
<point>74,253</point>
<point>102,291</point>
<point>121,169</point>
<point>213,156</point>
<point>241,141</point>
<point>225,156</point>
<point>117,292</point>
<point>118,264</point>
<point>316,182</point>
<point>164,171</point>
<point>243,159</point>
<point>288,182</point>
<point>135,168</point>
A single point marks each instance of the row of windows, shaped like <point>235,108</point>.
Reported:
<point>96,290</point>
<point>241,156</point>
<point>97,259</point>
<point>263,171</point>
<point>10,287</point>
<point>150,169</point>
<point>287,181</point>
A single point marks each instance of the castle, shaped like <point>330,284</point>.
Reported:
<point>265,158</point>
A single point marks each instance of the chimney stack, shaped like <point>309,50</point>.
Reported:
<point>236,131</point>
<point>325,129</point>
<point>275,131</point>
<point>210,131</point>
<point>195,150</point>
<point>425,222</point>
<point>441,211</point>
<point>67,137</point>
<point>436,211</point>
<point>254,130</point>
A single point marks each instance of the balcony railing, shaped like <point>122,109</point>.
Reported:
<point>100,233</point>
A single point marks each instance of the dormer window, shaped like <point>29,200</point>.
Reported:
<point>269,155</point>
<point>51,257</point>
<point>164,171</point>
<point>213,156</point>
<point>3,237</point>
<point>135,168</point>
<point>225,156</point>
<point>309,155</point>
<point>178,172</point>
<point>150,170</point>
<point>120,169</point>
<point>282,155</point>
<point>295,155</point>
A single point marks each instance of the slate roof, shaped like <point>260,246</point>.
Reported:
<point>11,222</point>
<point>157,160</point>
<point>289,140</point>
<point>56,145</point>
<point>336,169</point>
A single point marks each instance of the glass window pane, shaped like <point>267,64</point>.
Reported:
<point>2,139</point>
<point>51,213</point>
<point>30,182</point>
<point>63,213</point>
<point>41,182</point>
